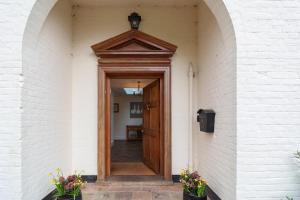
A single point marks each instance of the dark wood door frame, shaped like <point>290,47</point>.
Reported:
<point>105,74</point>
<point>133,54</point>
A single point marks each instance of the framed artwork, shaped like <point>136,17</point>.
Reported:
<point>116,107</point>
<point>136,109</point>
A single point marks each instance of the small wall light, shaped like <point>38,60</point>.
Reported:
<point>134,20</point>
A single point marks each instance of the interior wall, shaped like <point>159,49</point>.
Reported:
<point>122,118</point>
<point>46,102</point>
<point>94,24</point>
<point>214,155</point>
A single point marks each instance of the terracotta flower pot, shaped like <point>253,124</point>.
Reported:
<point>187,196</point>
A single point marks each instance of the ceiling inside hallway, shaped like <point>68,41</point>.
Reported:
<point>136,2</point>
<point>118,85</point>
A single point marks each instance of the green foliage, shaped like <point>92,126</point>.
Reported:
<point>70,186</point>
<point>193,184</point>
<point>75,191</point>
<point>60,191</point>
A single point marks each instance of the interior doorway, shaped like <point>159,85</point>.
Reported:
<point>135,127</point>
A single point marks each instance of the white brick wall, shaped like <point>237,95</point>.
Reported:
<point>214,154</point>
<point>267,72</point>
<point>13,15</point>
<point>46,102</point>
<point>267,97</point>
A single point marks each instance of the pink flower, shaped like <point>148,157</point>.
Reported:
<point>71,178</point>
<point>195,175</point>
<point>69,186</point>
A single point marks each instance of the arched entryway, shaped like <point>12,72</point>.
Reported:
<point>82,140</point>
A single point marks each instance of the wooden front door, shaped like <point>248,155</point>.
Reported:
<point>151,126</point>
<point>130,54</point>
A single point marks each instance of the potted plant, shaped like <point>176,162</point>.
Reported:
<point>67,188</point>
<point>194,186</point>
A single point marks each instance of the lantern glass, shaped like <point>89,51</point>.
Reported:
<point>134,20</point>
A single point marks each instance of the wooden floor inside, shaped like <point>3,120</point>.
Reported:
<point>127,151</point>
<point>130,169</point>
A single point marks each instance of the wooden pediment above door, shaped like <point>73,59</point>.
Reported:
<point>134,44</point>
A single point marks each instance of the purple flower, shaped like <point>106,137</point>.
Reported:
<point>195,175</point>
<point>71,178</point>
<point>69,186</point>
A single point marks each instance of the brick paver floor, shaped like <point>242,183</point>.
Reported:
<point>132,191</point>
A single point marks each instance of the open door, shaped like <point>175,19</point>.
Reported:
<point>125,56</point>
<point>151,126</point>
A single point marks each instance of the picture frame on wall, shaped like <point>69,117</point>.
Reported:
<point>136,109</point>
<point>116,107</point>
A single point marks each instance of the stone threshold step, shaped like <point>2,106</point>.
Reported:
<point>131,192</point>
<point>131,186</point>
<point>134,183</point>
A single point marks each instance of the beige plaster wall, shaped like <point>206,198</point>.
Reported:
<point>95,24</point>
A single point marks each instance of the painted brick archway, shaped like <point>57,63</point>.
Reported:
<point>36,20</point>
<point>267,44</point>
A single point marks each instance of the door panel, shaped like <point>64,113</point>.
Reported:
<point>151,126</point>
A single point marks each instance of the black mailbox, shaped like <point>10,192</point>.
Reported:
<point>206,118</point>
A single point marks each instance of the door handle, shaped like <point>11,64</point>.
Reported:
<point>148,106</point>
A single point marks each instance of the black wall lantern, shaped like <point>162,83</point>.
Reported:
<point>134,20</point>
<point>206,118</point>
